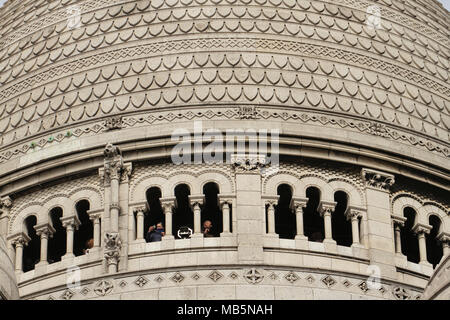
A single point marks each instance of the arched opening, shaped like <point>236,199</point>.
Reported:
<point>341,227</point>
<point>31,252</point>
<point>434,246</point>
<point>285,224</point>
<point>211,209</point>
<point>155,213</point>
<point>83,237</point>
<point>57,243</point>
<point>182,215</point>
<point>313,222</point>
<point>410,243</point>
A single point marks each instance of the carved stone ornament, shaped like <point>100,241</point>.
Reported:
<point>248,163</point>
<point>114,123</point>
<point>113,162</point>
<point>378,180</point>
<point>113,245</point>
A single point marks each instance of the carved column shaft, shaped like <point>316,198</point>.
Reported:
<point>299,204</point>
<point>167,206</point>
<point>5,207</point>
<point>226,216</point>
<point>139,223</point>
<point>398,240</point>
<point>44,232</point>
<point>271,218</point>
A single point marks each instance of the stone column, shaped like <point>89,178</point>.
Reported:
<point>444,238</point>
<point>326,209</point>
<point>44,231</point>
<point>95,216</point>
<point>196,201</point>
<point>113,166</point>
<point>71,224</point>
<point>168,204</point>
<point>270,203</point>
<point>139,211</point>
<point>379,225</point>
<point>226,203</point>
<point>354,214</point>
<point>420,230</point>
<point>18,241</point>
<point>5,207</point>
<point>249,216</point>
<point>298,205</point>
<point>398,222</point>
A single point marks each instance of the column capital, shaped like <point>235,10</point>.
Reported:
<point>326,207</point>
<point>95,214</point>
<point>196,200</point>
<point>226,198</point>
<point>398,221</point>
<point>299,203</point>
<point>377,179</point>
<point>72,221</point>
<point>113,245</point>
<point>354,212</point>
<point>248,163</point>
<point>139,207</point>
<point>168,203</point>
<point>6,202</point>
<point>44,229</point>
<point>421,229</point>
<point>270,200</point>
<point>20,238</point>
<point>444,237</point>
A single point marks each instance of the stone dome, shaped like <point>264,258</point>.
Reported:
<point>8,285</point>
<point>64,68</point>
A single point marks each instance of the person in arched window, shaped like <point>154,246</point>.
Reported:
<point>207,226</point>
<point>155,233</point>
<point>89,245</point>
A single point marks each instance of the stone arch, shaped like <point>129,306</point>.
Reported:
<point>139,190</point>
<point>403,201</point>
<point>326,192</point>
<point>90,194</point>
<point>222,181</point>
<point>18,225</point>
<point>297,185</point>
<point>355,197</point>
<point>183,178</point>
<point>430,209</point>
<point>67,204</point>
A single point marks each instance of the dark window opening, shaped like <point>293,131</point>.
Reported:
<point>83,237</point>
<point>32,251</point>
<point>410,243</point>
<point>434,246</point>
<point>285,223</point>
<point>182,215</point>
<point>341,227</point>
<point>57,243</point>
<point>155,213</point>
<point>313,222</point>
<point>211,210</point>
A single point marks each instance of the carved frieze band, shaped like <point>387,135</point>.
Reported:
<point>377,129</point>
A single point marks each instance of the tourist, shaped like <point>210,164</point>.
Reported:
<point>155,233</point>
<point>207,226</point>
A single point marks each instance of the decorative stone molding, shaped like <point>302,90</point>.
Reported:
<point>71,222</point>
<point>377,179</point>
<point>6,202</point>
<point>113,123</point>
<point>45,229</point>
<point>126,172</point>
<point>253,276</point>
<point>248,112</point>
<point>398,220</point>
<point>245,164</point>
